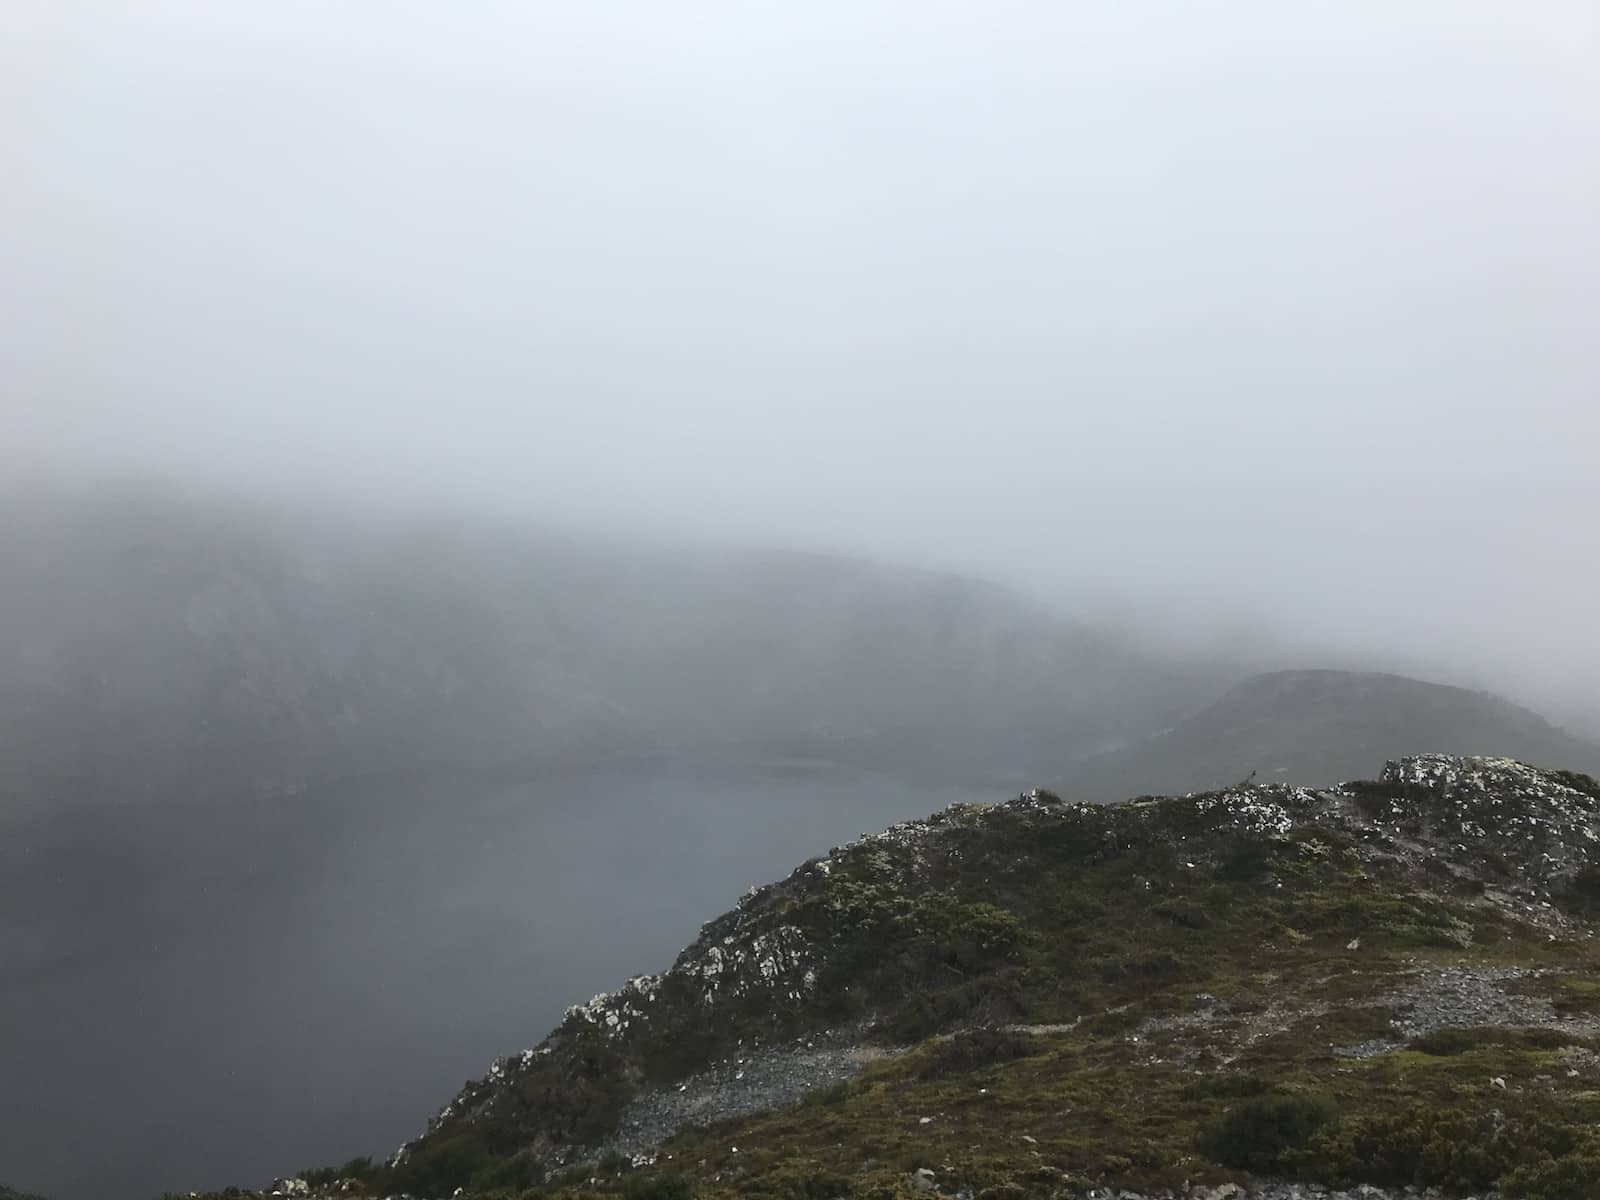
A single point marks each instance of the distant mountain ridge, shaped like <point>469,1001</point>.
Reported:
<point>154,646</point>
<point>1318,727</point>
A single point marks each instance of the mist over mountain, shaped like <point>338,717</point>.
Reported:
<point>480,485</point>
<point>1318,727</point>
<point>1222,314</point>
<point>158,648</point>
<point>151,649</point>
<point>386,751</point>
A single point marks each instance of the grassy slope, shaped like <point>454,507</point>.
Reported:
<point>1210,955</point>
<point>1315,728</point>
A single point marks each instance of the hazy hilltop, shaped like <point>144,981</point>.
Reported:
<point>1318,727</point>
<point>480,485</point>
<point>151,646</point>
<point>155,645</point>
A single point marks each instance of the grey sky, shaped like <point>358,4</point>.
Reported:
<point>1282,308</point>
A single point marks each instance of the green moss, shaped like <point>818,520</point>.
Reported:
<point>1320,1032</point>
<point>1448,1043</point>
<point>1574,996</point>
<point>973,1050</point>
<point>1574,1176</point>
<point>1445,1043</point>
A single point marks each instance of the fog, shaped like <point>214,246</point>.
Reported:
<point>1235,311</point>
<point>727,356</point>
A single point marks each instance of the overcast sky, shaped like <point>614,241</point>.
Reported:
<point>1263,306</point>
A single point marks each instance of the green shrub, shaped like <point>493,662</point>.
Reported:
<point>657,1187</point>
<point>442,1163</point>
<point>1575,1177</point>
<point>968,937</point>
<point>1158,966</point>
<point>1445,1043</point>
<point>1225,1087</point>
<point>1424,1146</point>
<point>1246,858</point>
<point>974,1049</point>
<point>518,1172</point>
<point>990,999</point>
<point>836,1093</point>
<point>322,1177</point>
<point>812,1184</point>
<point>1260,1134</point>
<point>1182,914</point>
<point>1583,891</point>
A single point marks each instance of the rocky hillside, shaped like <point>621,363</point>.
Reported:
<point>1267,989</point>
<point>1317,727</point>
<point>157,646</point>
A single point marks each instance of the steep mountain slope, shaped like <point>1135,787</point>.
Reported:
<point>154,645</point>
<point>1317,727</point>
<point>1392,983</point>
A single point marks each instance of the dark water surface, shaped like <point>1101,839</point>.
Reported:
<point>193,995</point>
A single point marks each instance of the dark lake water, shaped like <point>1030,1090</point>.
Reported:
<point>198,995</point>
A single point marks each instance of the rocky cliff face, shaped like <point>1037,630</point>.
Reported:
<point>1387,983</point>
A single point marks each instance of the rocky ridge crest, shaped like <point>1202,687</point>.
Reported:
<point>1043,997</point>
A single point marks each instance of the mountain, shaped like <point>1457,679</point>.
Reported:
<point>156,645</point>
<point>1388,984</point>
<point>1318,727</point>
